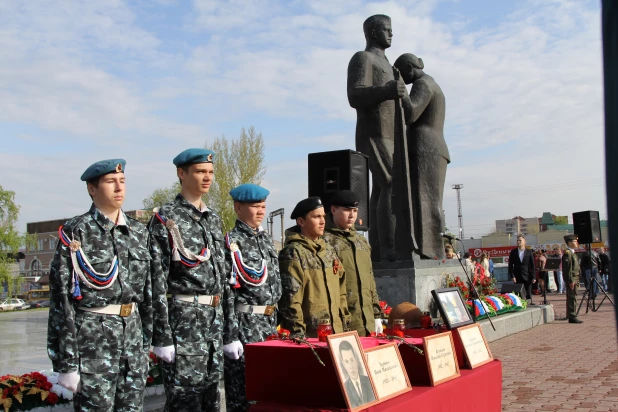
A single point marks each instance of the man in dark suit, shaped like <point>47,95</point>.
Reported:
<point>357,386</point>
<point>521,266</point>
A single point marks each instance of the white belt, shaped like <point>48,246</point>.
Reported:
<point>258,310</point>
<point>120,310</point>
<point>201,299</point>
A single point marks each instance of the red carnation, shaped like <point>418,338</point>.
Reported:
<point>149,379</point>
<point>52,398</point>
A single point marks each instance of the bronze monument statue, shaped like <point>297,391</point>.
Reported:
<point>377,95</point>
<point>428,154</point>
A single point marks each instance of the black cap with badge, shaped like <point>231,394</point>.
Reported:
<point>305,206</point>
<point>345,198</point>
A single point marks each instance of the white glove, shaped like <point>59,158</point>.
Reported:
<point>379,327</point>
<point>69,380</point>
<point>167,353</point>
<point>233,350</point>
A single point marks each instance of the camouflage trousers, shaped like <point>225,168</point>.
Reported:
<point>192,381</point>
<point>235,394</point>
<point>113,364</point>
<point>116,388</point>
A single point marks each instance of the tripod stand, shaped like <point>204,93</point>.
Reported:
<point>589,294</point>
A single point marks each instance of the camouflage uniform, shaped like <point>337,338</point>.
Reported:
<point>355,255</point>
<point>254,246</point>
<point>570,271</point>
<point>192,381</point>
<point>109,351</point>
<point>306,299</point>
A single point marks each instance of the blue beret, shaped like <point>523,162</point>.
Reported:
<point>305,206</point>
<point>103,167</point>
<point>193,156</point>
<point>249,193</point>
<point>345,198</point>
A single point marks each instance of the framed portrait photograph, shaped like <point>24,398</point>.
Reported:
<point>452,307</point>
<point>387,371</point>
<point>351,364</point>
<point>441,358</point>
<point>476,348</point>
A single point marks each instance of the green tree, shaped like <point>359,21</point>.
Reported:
<point>236,162</point>
<point>561,220</point>
<point>10,240</point>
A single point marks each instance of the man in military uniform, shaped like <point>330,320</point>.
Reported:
<point>100,316</point>
<point>355,254</point>
<point>256,284</point>
<point>312,278</point>
<point>570,271</point>
<point>189,289</point>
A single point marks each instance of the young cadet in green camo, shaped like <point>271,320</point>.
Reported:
<point>312,278</point>
<point>189,289</point>
<point>570,271</point>
<point>256,284</point>
<point>100,316</point>
<point>355,255</point>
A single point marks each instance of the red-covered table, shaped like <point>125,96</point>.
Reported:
<point>284,376</point>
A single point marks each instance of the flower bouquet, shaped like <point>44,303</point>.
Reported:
<point>32,390</point>
<point>155,376</point>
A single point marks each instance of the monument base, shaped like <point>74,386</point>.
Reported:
<point>413,280</point>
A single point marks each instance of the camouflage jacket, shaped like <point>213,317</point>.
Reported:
<point>314,285</point>
<point>570,266</point>
<point>256,246</point>
<point>198,229</point>
<point>355,255</point>
<point>100,240</point>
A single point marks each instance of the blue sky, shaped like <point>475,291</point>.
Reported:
<point>83,81</point>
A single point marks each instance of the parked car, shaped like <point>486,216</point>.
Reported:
<point>39,304</point>
<point>12,304</point>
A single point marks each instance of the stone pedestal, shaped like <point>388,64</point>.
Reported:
<point>412,281</point>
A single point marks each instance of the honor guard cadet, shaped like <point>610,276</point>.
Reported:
<point>570,271</point>
<point>312,278</point>
<point>355,254</point>
<point>190,289</point>
<point>256,284</point>
<point>100,316</point>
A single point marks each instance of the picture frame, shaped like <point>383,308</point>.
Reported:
<point>441,358</point>
<point>387,371</point>
<point>352,372</point>
<point>452,307</point>
<point>476,348</point>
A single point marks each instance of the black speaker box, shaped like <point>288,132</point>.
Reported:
<point>330,172</point>
<point>587,226</point>
<point>516,288</point>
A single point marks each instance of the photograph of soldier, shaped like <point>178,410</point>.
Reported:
<point>100,316</point>
<point>312,278</point>
<point>357,384</point>
<point>354,253</point>
<point>256,285</point>
<point>190,286</point>
<point>570,271</point>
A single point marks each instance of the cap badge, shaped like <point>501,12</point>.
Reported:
<point>319,202</point>
<point>75,245</point>
<point>118,168</point>
<point>234,247</point>
<point>209,157</point>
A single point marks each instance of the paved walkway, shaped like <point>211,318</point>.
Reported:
<point>561,366</point>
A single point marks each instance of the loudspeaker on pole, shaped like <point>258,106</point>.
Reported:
<point>587,226</point>
<point>330,172</point>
